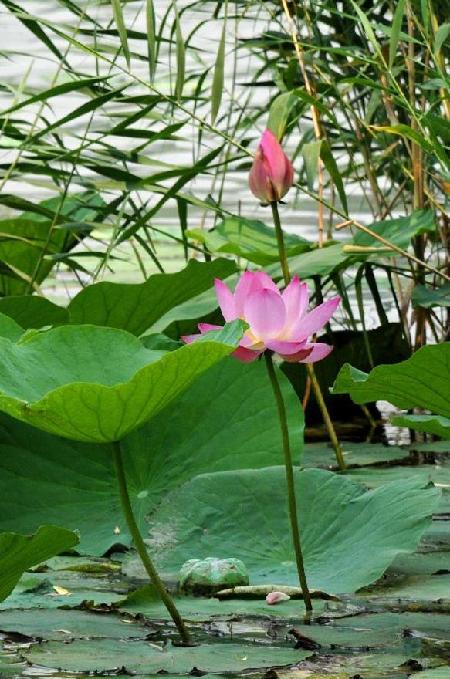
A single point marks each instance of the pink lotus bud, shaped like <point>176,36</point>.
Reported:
<point>272,173</point>
<point>276,597</point>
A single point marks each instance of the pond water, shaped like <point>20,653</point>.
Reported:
<point>29,61</point>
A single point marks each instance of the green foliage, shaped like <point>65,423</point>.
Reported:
<point>430,297</point>
<point>106,655</point>
<point>349,535</point>
<point>29,242</point>
<point>213,426</point>
<point>18,553</point>
<point>398,231</point>
<point>33,311</point>
<point>420,381</point>
<point>104,383</point>
<point>9,328</point>
<point>137,307</point>
<point>250,239</point>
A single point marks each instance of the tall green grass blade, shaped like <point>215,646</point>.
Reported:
<point>441,37</point>
<point>181,58</point>
<point>395,33</point>
<point>218,79</point>
<point>151,39</point>
<point>118,16</point>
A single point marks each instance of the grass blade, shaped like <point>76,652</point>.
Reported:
<point>181,58</point>
<point>151,39</point>
<point>395,33</point>
<point>118,16</point>
<point>217,85</point>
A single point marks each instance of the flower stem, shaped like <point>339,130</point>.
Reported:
<point>309,366</point>
<point>280,242</point>
<point>326,417</point>
<point>292,502</point>
<point>140,544</point>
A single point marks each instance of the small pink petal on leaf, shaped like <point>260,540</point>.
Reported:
<point>276,597</point>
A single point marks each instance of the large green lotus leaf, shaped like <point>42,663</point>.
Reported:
<point>136,307</point>
<point>97,384</point>
<point>350,535</point>
<point>399,231</point>
<point>250,239</point>
<point>226,420</point>
<point>18,553</point>
<point>9,328</point>
<point>318,262</point>
<point>427,297</point>
<point>430,424</point>
<point>107,655</point>
<point>421,381</point>
<point>194,308</point>
<point>33,311</point>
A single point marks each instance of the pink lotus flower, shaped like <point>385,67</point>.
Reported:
<point>278,321</point>
<point>272,173</point>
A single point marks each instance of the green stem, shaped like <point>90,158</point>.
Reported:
<point>280,242</point>
<point>309,366</point>
<point>326,417</point>
<point>292,502</point>
<point>140,544</point>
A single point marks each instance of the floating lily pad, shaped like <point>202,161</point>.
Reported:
<point>55,590</point>
<point>212,427</point>
<point>54,625</point>
<point>98,384</point>
<point>195,609</point>
<point>136,307</point>
<point>108,655</point>
<point>18,553</point>
<point>349,535</point>
<point>355,455</point>
<point>426,589</point>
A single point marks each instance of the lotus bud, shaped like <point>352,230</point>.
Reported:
<point>272,173</point>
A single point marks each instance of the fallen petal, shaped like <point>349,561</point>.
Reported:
<point>276,597</point>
